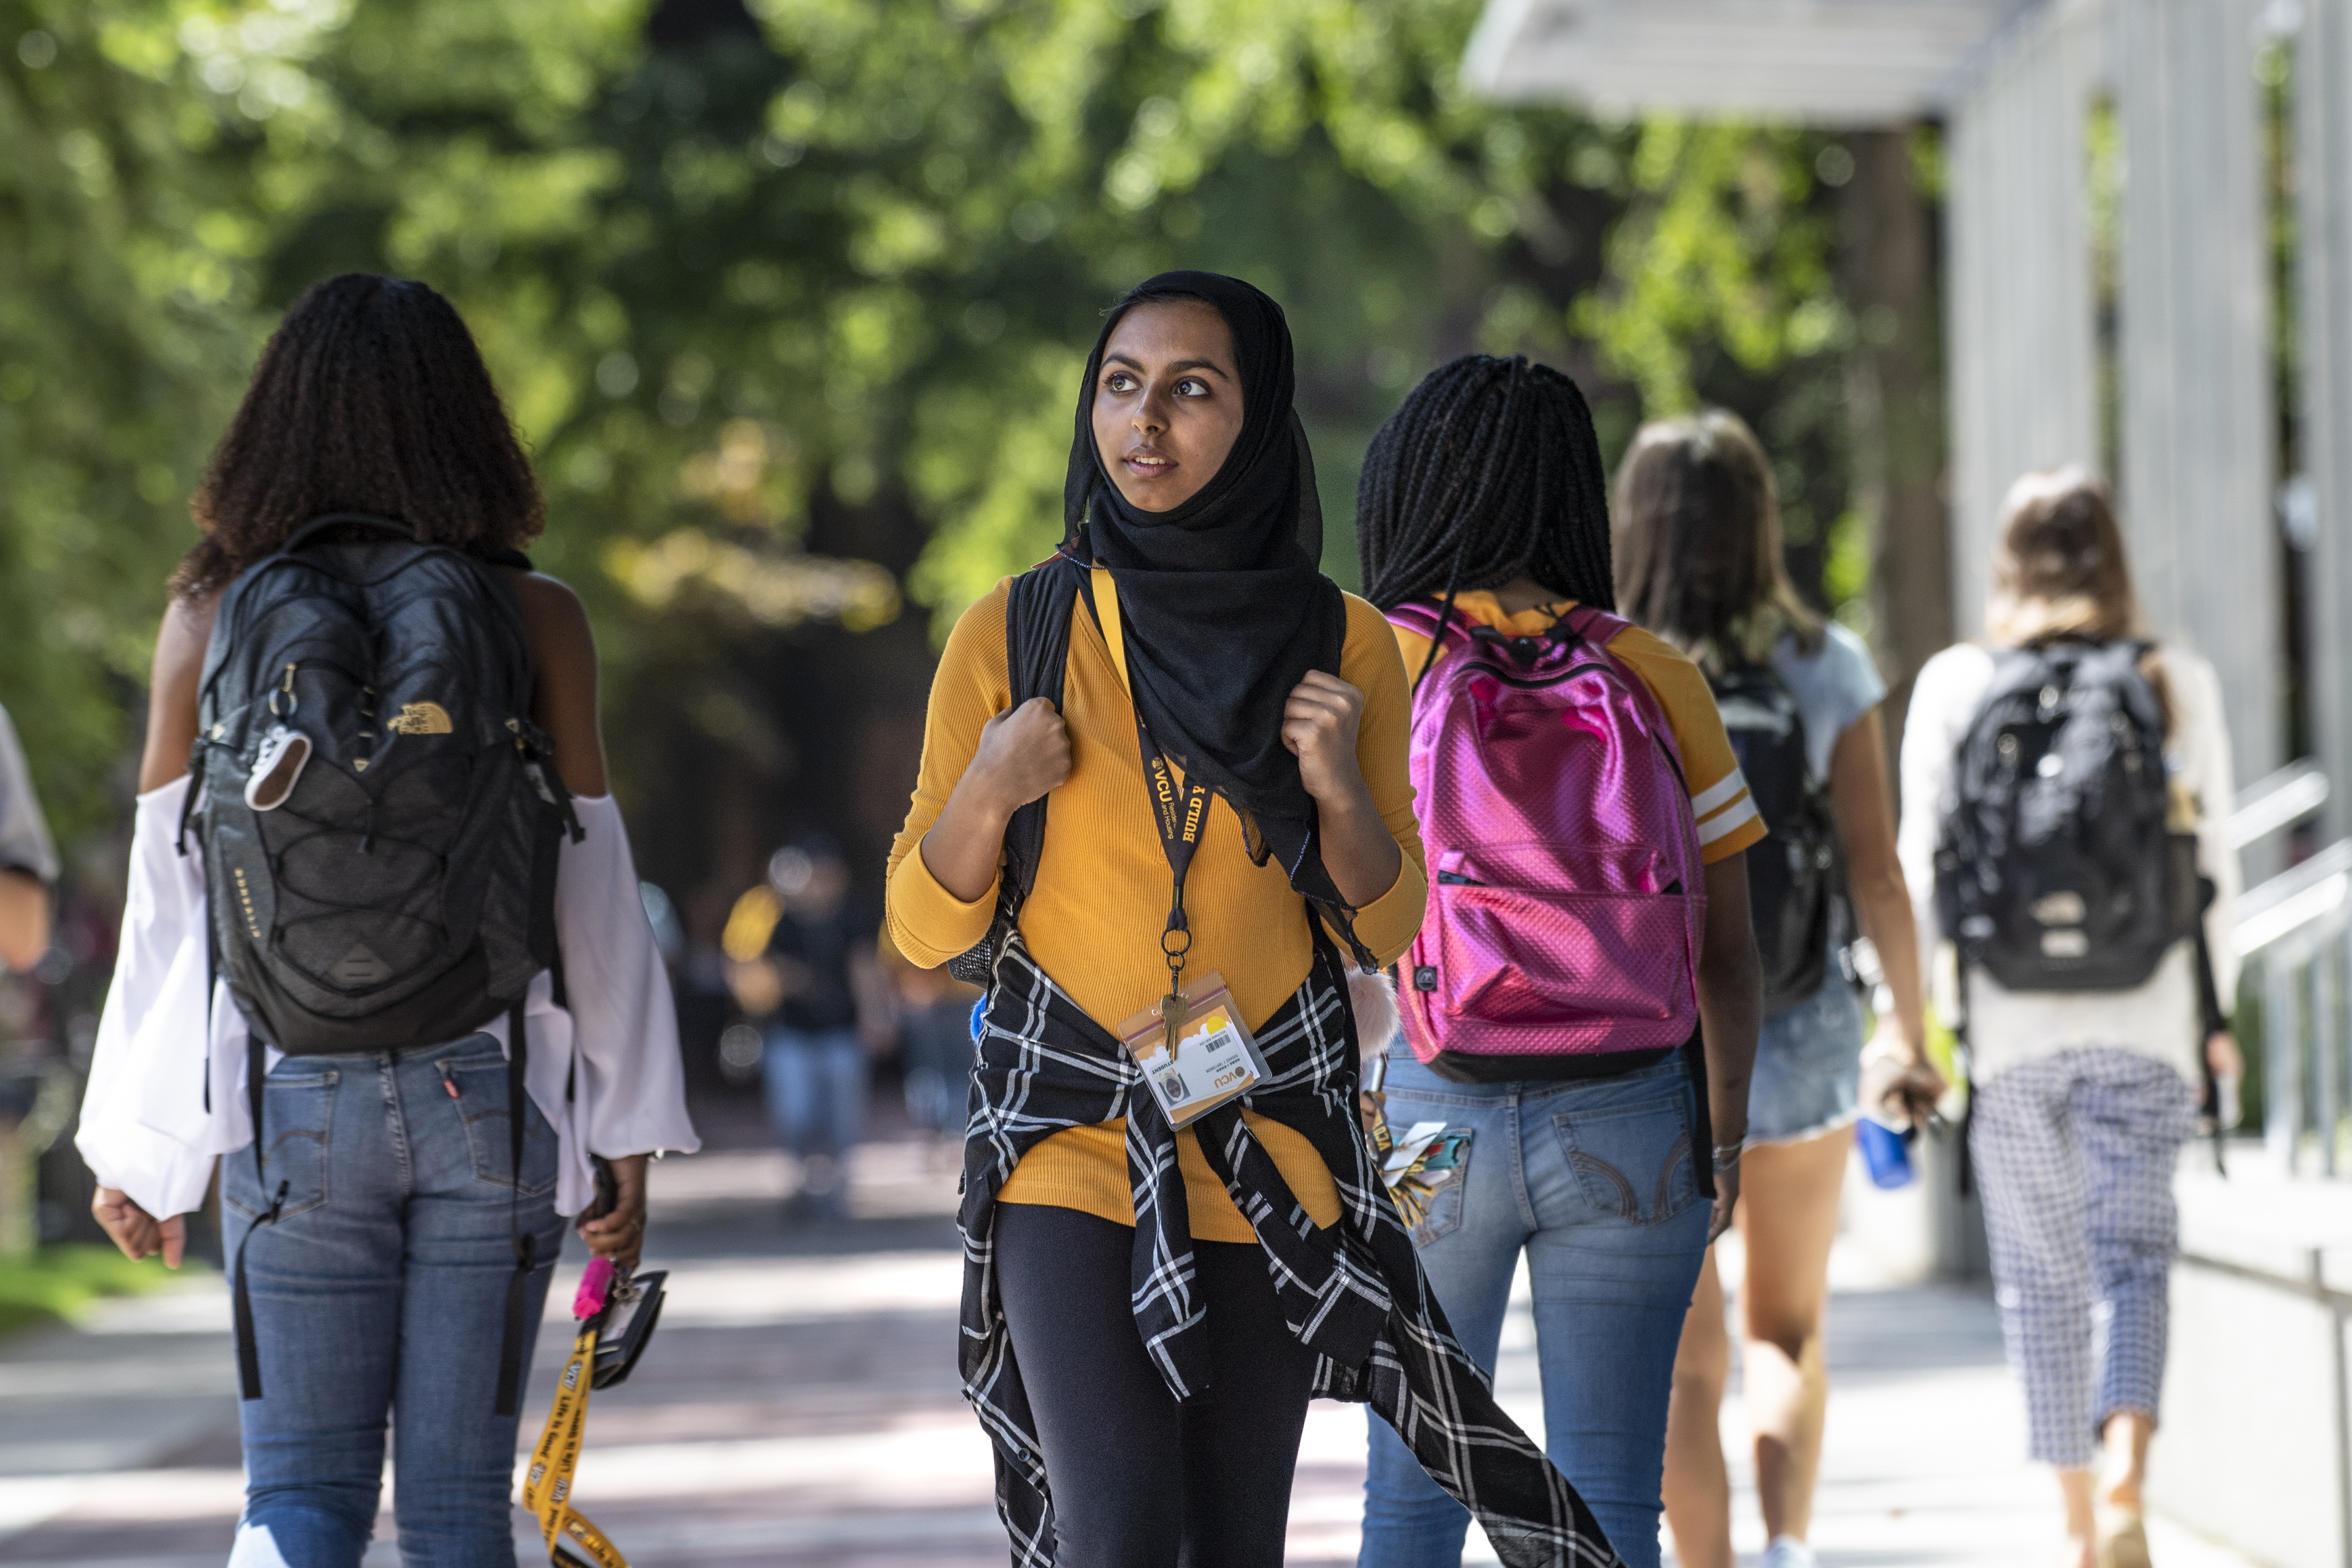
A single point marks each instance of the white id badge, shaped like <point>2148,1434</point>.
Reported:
<point>1216,1058</point>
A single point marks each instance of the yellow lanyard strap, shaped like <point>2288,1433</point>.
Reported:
<point>572,1541</point>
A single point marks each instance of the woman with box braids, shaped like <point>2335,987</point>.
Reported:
<point>1490,468</point>
<point>1484,511</point>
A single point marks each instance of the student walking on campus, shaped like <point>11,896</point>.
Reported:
<point>384,959</point>
<point>1555,1093</point>
<point>1164,795</point>
<point>1699,563</point>
<point>2065,790</point>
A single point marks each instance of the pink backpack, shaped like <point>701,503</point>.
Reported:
<point>1563,931</point>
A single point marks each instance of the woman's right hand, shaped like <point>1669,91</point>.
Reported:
<point>139,1233</point>
<point>1023,752</point>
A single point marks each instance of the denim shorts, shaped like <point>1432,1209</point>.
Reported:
<point>1808,1067</point>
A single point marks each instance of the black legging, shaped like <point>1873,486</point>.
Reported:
<point>1138,1481</point>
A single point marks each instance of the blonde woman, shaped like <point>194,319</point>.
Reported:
<point>2083,1097</point>
<point>1698,563</point>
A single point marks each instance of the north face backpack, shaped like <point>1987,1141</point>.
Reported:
<point>1794,876</point>
<point>1568,898</point>
<point>379,822</point>
<point>2057,869</point>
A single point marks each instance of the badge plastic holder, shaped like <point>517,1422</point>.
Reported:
<point>630,1314</point>
<point>1216,1058</point>
<point>633,1301</point>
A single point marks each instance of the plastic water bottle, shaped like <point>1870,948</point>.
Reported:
<point>1886,1152</point>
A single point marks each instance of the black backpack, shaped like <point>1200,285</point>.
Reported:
<point>2057,869</point>
<point>1796,876</point>
<point>400,893</point>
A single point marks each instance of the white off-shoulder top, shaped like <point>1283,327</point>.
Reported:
<point>152,1126</point>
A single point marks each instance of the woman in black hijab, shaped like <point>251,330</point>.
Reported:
<point>1219,734</point>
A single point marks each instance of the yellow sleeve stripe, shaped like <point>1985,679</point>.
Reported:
<point>1724,824</point>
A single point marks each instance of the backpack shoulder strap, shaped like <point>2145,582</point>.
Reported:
<point>1598,627</point>
<point>1037,614</point>
<point>1421,617</point>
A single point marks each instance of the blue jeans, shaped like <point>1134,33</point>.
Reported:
<point>382,1292</point>
<point>816,1090</point>
<point>1594,1180</point>
<point>1808,1074</point>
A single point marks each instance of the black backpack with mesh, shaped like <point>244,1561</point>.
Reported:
<point>2058,870</point>
<point>389,883</point>
<point>1795,877</point>
<point>402,894</point>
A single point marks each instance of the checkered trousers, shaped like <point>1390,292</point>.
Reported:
<point>1354,1294</point>
<point>2074,1155</point>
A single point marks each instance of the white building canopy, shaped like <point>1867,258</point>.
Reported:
<point>1827,62</point>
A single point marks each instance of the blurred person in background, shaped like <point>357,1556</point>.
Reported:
<point>399,1226</point>
<point>2088,1049</point>
<point>28,859</point>
<point>1699,563</point>
<point>802,967</point>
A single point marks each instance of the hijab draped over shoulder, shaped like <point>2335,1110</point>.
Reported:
<point>1224,602</point>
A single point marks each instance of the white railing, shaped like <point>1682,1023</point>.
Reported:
<point>2295,931</point>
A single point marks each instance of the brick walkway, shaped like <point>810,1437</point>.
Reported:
<point>800,1408</point>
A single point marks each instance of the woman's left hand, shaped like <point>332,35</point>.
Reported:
<point>620,1233</point>
<point>1318,725</point>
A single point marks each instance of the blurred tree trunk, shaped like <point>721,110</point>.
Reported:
<point>1894,406</point>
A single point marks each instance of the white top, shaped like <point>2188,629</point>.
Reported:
<point>2160,1018</point>
<point>1834,686</point>
<point>145,1128</point>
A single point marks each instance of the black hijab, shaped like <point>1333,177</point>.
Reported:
<point>1223,603</point>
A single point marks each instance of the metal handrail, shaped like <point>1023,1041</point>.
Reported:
<point>2298,925</point>
<point>2280,801</point>
<point>2294,899</point>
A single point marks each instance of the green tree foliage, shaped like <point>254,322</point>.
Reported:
<point>790,301</point>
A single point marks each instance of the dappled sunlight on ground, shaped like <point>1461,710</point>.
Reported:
<point>800,1408</point>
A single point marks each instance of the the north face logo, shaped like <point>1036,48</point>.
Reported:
<point>359,969</point>
<point>421,718</point>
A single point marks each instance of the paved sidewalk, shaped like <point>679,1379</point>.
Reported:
<point>800,1408</point>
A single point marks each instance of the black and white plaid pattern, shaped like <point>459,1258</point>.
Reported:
<point>2074,1154</point>
<point>1354,1294</point>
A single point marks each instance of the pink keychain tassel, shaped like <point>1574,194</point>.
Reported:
<point>595,1284</point>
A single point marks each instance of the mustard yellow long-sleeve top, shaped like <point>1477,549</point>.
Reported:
<point>1094,921</point>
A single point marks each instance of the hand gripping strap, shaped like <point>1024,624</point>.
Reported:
<point>1038,612</point>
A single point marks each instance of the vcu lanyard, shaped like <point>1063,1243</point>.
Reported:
<point>572,1541</point>
<point>1179,810</point>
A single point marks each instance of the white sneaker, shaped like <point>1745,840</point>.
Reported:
<point>1788,1552</point>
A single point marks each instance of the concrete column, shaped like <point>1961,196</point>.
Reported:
<point>2023,340</point>
<point>2323,156</point>
<point>2198,412</point>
